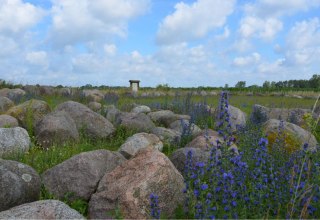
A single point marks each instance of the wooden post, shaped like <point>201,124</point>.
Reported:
<point>134,85</point>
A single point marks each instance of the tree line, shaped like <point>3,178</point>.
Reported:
<point>312,83</point>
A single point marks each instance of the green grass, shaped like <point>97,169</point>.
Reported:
<point>42,160</point>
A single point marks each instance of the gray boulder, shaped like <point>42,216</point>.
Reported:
<point>128,187</point>
<point>19,183</point>
<point>166,117</point>
<point>237,117</point>
<point>182,126</point>
<point>112,115</point>
<point>43,209</point>
<point>5,104</point>
<point>93,124</point>
<point>139,122</point>
<point>261,114</point>
<point>7,121</point>
<point>30,112</point>
<point>205,140</point>
<point>95,106</point>
<point>66,92</point>
<point>293,134</point>
<point>56,128</point>
<point>13,140</point>
<point>93,94</point>
<point>46,90</point>
<point>80,174</point>
<point>12,94</point>
<point>138,141</point>
<point>141,109</point>
<point>179,157</point>
<point>167,135</point>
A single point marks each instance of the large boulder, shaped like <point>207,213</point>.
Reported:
<point>110,112</point>
<point>46,90</point>
<point>7,121</point>
<point>91,123</point>
<point>205,140</point>
<point>261,114</point>
<point>166,117</point>
<point>31,90</point>
<point>13,94</point>
<point>179,157</point>
<point>93,95</point>
<point>66,92</point>
<point>5,104</point>
<point>113,114</point>
<point>43,209</point>
<point>184,127</point>
<point>294,136</point>
<point>30,112</point>
<point>139,122</point>
<point>19,183</point>
<point>167,135</point>
<point>128,187</point>
<point>138,141</point>
<point>237,117</point>
<point>56,128</point>
<point>79,176</point>
<point>13,140</point>
<point>141,109</point>
<point>95,106</point>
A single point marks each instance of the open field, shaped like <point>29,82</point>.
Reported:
<point>260,191</point>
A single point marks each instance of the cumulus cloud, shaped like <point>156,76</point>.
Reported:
<point>110,49</point>
<point>17,16</point>
<point>224,35</point>
<point>275,8</point>
<point>8,46</point>
<point>178,65</point>
<point>263,18</point>
<point>79,21</point>
<point>303,43</point>
<point>247,60</point>
<point>37,58</point>
<point>264,29</point>
<point>194,21</point>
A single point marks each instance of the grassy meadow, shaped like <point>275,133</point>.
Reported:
<point>236,193</point>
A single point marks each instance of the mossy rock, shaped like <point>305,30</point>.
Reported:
<point>29,113</point>
<point>291,136</point>
<point>289,143</point>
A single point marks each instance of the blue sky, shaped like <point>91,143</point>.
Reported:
<point>186,43</point>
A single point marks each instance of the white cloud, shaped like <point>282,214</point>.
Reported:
<point>86,64</point>
<point>8,46</point>
<point>37,58</point>
<point>79,21</point>
<point>17,16</point>
<point>178,65</point>
<point>110,49</point>
<point>262,18</point>
<point>265,29</point>
<point>194,21</point>
<point>276,8</point>
<point>241,45</point>
<point>303,43</point>
<point>252,59</point>
<point>224,35</point>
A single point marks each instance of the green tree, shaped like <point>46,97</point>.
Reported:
<point>240,84</point>
<point>314,82</point>
<point>266,84</point>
